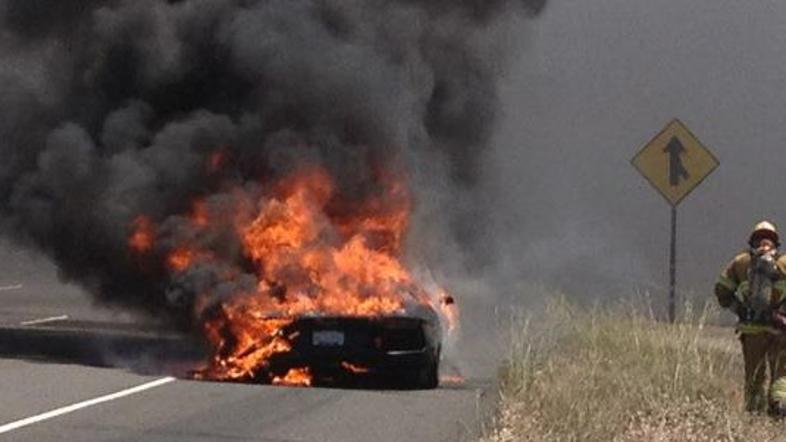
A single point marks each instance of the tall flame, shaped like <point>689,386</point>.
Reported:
<point>313,252</point>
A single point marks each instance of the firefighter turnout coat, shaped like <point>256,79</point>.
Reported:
<point>733,283</point>
<point>763,344</point>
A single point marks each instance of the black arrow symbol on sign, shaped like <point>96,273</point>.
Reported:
<point>676,169</point>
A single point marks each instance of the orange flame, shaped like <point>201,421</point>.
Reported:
<point>199,214</point>
<point>299,377</point>
<point>180,259</point>
<point>354,368</point>
<point>142,235</point>
<point>314,251</point>
<point>242,344</point>
<point>295,244</point>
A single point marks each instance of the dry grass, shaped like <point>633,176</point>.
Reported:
<point>618,375</point>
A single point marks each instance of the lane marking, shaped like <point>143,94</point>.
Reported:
<point>84,404</point>
<point>10,287</point>
<point>44,320</point>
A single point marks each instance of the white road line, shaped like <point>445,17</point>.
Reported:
<point>10,287</point>
<point>44,320</point>
<point>89,403</point>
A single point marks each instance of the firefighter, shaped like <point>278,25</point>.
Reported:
<point>753,286</point>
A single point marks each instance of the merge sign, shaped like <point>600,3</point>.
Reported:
<point>675,162</point>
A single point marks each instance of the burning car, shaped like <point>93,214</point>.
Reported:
<point>317,289</point>
<point>401,351</point>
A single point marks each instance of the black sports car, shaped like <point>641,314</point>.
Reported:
<point>400,350</point>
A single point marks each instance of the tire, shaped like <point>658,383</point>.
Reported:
<point>428,376</point>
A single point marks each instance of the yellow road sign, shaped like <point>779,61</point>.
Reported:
<point>675,162</point>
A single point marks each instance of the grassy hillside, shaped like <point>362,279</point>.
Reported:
<point>618,375</point>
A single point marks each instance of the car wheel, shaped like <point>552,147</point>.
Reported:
<point>428,377</point>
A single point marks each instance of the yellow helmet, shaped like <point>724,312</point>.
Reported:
<point>764,230</point>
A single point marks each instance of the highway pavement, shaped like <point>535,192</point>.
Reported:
<point>183,410</point>
<point>72,371</point>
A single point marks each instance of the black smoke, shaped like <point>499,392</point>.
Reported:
<point>112,109</point>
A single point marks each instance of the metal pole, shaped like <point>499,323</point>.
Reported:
<point>673,265</point>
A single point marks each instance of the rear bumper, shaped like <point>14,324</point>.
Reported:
<point>360,346</point>
<point>356,362</point>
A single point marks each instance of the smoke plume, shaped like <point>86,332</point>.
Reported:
<point>116,109</point>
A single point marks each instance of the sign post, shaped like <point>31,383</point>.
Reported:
<point>674,162</point>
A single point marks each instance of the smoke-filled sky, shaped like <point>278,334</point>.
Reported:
<point>120,115</point>
<point>589,84</point>
<point>593,82</point>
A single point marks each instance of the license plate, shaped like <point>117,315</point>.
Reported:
<point>327,338</point>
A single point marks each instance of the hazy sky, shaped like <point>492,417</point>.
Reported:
<point>593,82</point>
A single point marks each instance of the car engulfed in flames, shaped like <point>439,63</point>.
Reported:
<point>397,350</point>
<point>316,289</point>
<point>400,351</point>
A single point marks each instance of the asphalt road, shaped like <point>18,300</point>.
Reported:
<point>183,410</point>
<point>70,371</point>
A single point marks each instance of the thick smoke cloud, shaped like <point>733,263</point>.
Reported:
<point>112,109</point>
